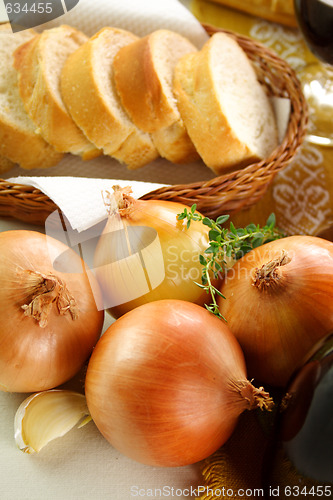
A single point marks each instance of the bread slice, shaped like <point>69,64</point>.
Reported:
<point>144,73</point>
<point>173,143</point>
<point>5,164</point>
<point>18,141</point>
<point>39,64</point>
<point>226,111</point>
<point>88,90</point>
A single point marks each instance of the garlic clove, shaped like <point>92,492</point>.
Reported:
<point>47,415</point>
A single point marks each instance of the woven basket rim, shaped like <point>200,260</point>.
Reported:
<point>225,193</point>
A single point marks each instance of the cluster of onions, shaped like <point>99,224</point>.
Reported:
<point>49,319</point>
<point>146,254</point>
<point>279,303</point>
<point>167,382</point>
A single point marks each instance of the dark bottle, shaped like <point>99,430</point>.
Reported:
<point>315,19</point>
<point>299,459</point>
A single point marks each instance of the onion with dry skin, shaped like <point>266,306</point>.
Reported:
<point>279,303</point>
<point>166,383</point>
<point>146,254</point>
<point>49,319</point>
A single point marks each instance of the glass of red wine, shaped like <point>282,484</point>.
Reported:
<point>315,19</point>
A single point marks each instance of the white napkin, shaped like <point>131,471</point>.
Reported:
<point>81,199</point>
<point>140,17</point>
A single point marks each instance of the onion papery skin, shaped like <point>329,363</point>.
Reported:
<point>34,357</point>
<point>276,325</point>
<point>171,261</point>
<point>166,383</point>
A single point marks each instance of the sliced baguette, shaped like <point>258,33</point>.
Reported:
<point>5,164</point>
<point>88,90</point>
<point>144,73</point>
<point>18,141</point>
<point>39,64</point>
<point>225,109</point>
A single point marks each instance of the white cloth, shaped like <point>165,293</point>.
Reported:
<point>81,199</point>
<point>140,17</point>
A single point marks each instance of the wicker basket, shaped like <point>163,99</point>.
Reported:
<point>223,194</point>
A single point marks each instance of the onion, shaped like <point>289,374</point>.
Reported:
<point>166,383</point>
<point>49,319</point>
<point>279,303</point>
<point>146,254</point>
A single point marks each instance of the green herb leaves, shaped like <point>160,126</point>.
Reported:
<point>226,246</point>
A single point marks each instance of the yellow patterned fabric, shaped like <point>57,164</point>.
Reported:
<point>235,471</point>
<point>301,198</point>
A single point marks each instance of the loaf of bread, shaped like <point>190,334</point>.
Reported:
<point>226,111</point>
<point>143,72</point>
<point>88,90</point>
<point>279,11</point>
<point>18,141</point>
<point>39,63</point>
<point>130,98</point>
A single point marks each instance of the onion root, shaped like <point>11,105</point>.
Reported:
<point>120,201</point>
<point>267,275</point>
<point>46,290</point>
<point>255,397</point>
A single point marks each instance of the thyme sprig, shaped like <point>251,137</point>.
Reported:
<point>226,246</point>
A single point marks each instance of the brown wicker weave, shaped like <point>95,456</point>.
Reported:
<point>224,194</point>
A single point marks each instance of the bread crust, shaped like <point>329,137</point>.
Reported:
<point>27,149</point>
<point>92,111</point>
<point>5,164</point>
<point>148,97</point>
<point>208,125</point>
<point>140,87</point>
<point>174,144</point>
<point>18,141</point>
<point>278,11</point>
<point>42,101</point>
